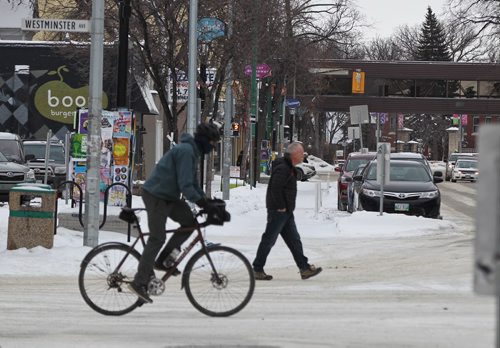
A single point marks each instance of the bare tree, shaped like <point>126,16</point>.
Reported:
<point>479,22</point>
<point>383,49</point>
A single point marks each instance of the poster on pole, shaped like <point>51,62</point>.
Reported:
<point>115,150</point>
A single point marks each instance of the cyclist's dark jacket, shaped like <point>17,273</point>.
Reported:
<point>175,173</point>
<point>282,187</point>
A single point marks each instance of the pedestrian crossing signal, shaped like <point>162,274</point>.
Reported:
<point>235,128</point>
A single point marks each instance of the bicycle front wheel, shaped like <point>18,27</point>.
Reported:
<point>223,290</point>
<point>104,286</point>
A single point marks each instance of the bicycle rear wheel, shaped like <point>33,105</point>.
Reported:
<point>103,287</point>
<point>222,294</point>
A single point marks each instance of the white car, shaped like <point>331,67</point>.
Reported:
<point>465,169</point>
<point>305,171</point>
<point>438,166</point>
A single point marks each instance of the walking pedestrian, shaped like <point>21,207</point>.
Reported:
<point>280,203</point>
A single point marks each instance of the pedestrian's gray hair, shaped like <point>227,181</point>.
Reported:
<point>294,147</point>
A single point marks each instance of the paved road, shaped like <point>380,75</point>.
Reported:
<point>373,292</point>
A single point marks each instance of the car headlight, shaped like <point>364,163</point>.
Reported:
<point>30,174</point>
<point>371,193</point>
<point>60,170</point>
<point>430,194</point>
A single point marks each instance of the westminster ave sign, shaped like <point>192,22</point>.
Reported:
<point>65,25</point>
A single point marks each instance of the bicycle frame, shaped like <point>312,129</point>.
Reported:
<point>198,239</point>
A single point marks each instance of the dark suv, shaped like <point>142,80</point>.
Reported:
<point>56,165</point>
<point>353,161</point>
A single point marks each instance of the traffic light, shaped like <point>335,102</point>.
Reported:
<point>286,133</point>
<point>235,128</point>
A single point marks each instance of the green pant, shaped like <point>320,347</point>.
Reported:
<point>158,211</point>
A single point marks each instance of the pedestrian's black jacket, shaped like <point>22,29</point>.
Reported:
<point>282,187</point>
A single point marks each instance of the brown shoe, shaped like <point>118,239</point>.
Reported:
<point>262,276</point>
<point>310,272</point>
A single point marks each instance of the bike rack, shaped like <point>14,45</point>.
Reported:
<point>72,183</point>
<point>106,194</point>
<point>128,201</point>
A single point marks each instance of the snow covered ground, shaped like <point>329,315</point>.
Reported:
<point>388,281</point>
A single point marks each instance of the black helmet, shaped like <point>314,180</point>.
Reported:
<point>209,130</point>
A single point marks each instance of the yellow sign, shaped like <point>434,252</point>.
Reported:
<point>358,82</point>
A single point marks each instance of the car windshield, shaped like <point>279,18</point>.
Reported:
<point>3,158</point>
<point>401,172</point>
<point>38,150</point>
<point>359,170</point>
<point>466,164</point>
<point>354,163</point>
<point>11,150</point>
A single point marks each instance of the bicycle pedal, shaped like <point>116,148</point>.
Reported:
<point>156,287</point>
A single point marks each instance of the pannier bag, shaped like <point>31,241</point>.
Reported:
<point>218,213</point>
<point>127,215</point>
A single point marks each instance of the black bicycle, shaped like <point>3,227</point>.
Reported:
<point>218,280</point>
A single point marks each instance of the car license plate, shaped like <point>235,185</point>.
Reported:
<point>401,206</point>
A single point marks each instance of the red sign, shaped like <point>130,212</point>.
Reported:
<point>263,70</point>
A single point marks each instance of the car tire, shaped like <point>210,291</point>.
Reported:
<point>300,174</point>
<point>340,205</point>
<point>453,180</point>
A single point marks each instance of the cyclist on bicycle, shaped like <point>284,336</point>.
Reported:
<point>173,176</point>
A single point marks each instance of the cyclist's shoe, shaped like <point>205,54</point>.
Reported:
<point>160,266</point>
<point>262,276</point>
<point>311,271</point>
<point>140,291</point>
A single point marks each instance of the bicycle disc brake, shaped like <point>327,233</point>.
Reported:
<point>156,287</point>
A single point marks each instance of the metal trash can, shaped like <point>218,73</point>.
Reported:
<point>31,216</point>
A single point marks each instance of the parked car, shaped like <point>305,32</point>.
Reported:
<point>305,171</point>
<point>453,158</point>
<point>339,164</point>
<point>438,166</point>
<point>11,147</point>
<point>56,166</point>
<point>11,174</point>
<point>353,161</point>
<point>411,189</point>
<point>353,189</point>
<point>465,169</point>
<point>412,156</point>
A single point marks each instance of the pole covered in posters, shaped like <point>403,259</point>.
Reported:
<point>91,229</point>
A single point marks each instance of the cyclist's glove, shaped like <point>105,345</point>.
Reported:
<point>202,202</point>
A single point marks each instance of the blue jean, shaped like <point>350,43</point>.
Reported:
<point>280,223</point>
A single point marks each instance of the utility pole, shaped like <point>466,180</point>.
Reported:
<point>228,116</point>
<point>253,95</point>
<point>91,230</point>
<point>124,14</point>
<point>192,74</point>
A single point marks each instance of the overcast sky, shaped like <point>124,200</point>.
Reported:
<point>384,15</point>
<point>387,15</point>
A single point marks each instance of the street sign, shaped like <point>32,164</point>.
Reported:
<point>262,70</point>
<point>359,114</point>
<point>358,82</point>
<point>352,133</point>
<point>292,103</point>
<point>64,25</point>
<point>210,29</point>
